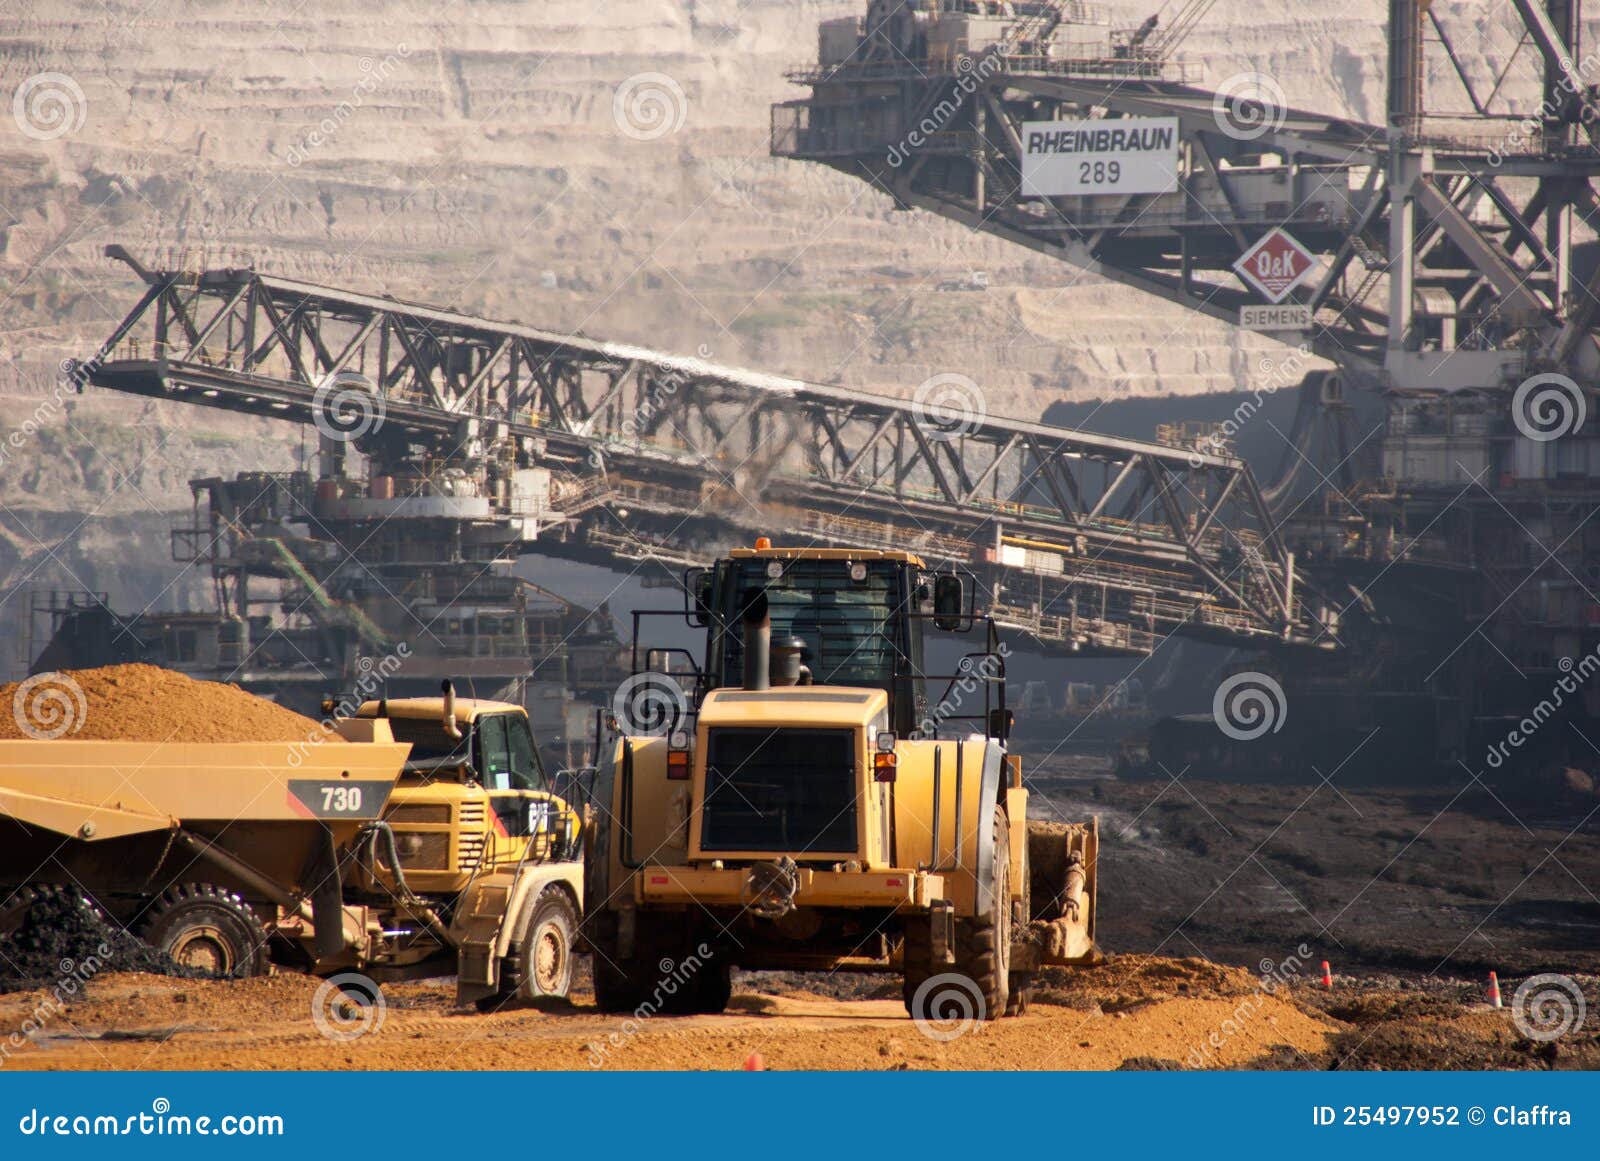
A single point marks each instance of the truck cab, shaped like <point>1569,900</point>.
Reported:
<point>476,760</point>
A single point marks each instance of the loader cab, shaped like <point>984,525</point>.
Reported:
<point>856,618</point>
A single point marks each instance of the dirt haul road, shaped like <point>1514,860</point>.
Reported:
<point>1135,1012</point>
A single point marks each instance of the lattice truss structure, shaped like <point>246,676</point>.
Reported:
<point>1087,542</point>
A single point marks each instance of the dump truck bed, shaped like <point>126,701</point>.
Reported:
<point>96,791</point>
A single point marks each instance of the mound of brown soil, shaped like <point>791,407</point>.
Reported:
<point>142,703</point>
<point>1127,981</point>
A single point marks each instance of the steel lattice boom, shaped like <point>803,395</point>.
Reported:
<point>1089,542</point>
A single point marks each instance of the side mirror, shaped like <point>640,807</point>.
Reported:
<point>697,591</point>
<point>949,602</point>
<point>1000,722</point>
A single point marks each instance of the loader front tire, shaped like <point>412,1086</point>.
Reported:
<point>203,926</point>
<point>1020,994</point>
<point>983,944</point>
<point>980,981</point>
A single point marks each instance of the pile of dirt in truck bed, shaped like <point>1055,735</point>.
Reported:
<point>64,940</point>
<point>142,703</point>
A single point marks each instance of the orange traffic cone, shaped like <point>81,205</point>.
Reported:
<point>755,1063</point>
<point>1494,991</point>
<point>1327,976</point>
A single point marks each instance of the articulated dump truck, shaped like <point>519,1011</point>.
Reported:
<point>808,796</point>
<point>428,843</point>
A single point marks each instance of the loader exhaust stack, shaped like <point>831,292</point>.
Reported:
<point>757,644</point>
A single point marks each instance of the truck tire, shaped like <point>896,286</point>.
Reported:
<point>538,966</point>
<point>200,925</point>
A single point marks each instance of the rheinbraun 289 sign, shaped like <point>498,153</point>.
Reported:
<point>1111,155</point>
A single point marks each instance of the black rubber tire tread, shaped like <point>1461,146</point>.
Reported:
<point>518,980</point>
<point>620,985</point>
<point>706,993</point>
<point>983,946</point>
<point>1020,993</point>
<point>916,959</point>
<point>191,903</point>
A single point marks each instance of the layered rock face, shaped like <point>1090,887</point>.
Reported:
<point>593,166</point>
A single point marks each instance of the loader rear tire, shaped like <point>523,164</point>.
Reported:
<point>200,925</point>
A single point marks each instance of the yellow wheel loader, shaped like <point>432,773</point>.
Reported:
<point>808,796</point>
<point>429,844</point>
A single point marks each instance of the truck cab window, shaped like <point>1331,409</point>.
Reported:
<point>526,771</point>
<point>494,756</point>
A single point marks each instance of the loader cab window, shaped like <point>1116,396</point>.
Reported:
<point>506,759</point>
<point>851,628</point>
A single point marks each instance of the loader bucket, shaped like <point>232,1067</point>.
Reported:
<point>1062,879</point>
